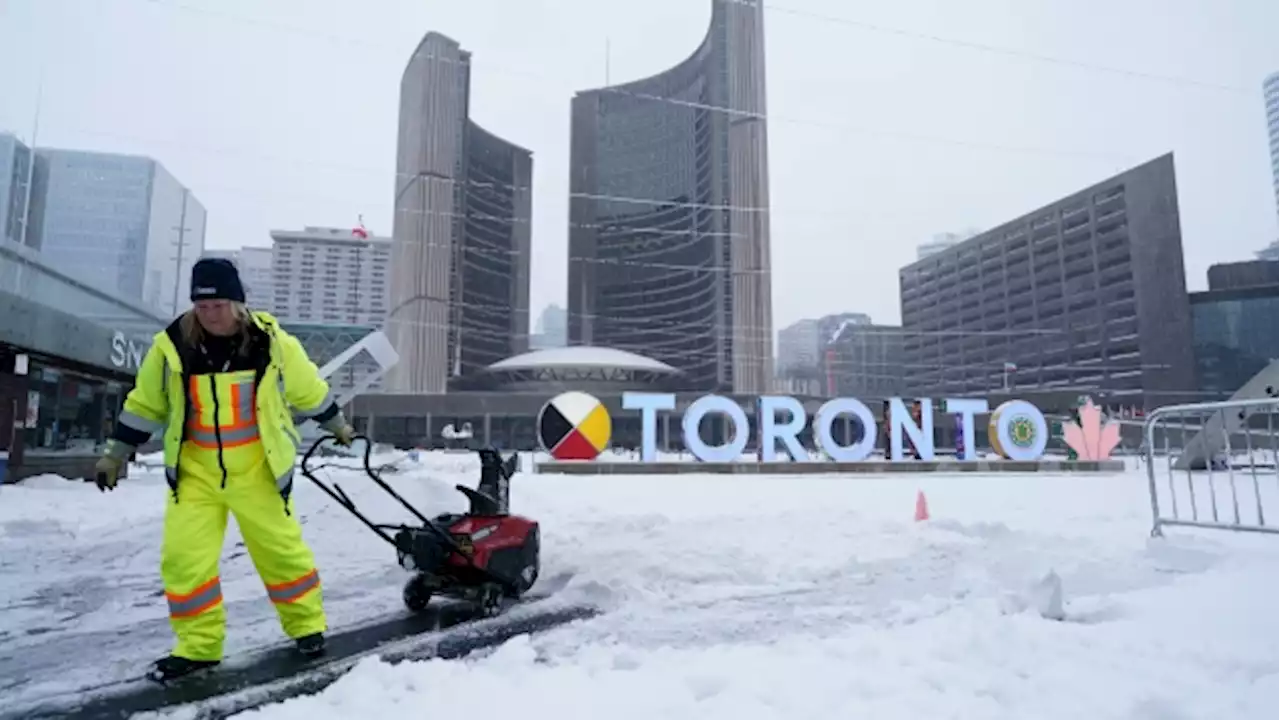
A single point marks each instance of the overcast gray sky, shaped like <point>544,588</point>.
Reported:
<point>888,123</point>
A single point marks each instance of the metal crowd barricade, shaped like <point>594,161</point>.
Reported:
<point>1214,452</point>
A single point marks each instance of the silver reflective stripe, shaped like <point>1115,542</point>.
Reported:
<point>139,423</point>
<point>289,592</point>
<point>164,378</point>
<point>197,601</point>
<point>230,438</point>
<point>245,409</point>
<point>283,482</point>
<point>292,433</point>
<point>311,412</point>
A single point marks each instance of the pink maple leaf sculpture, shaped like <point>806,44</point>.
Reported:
<point>1090,438</point>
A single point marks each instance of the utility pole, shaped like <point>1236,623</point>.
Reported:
<point>182,237</point>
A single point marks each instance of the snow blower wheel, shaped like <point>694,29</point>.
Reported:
<point>480,557</point>
<point>490,601</point>
<point>417,595</point>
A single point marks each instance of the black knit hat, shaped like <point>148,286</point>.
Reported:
<point>216,279</point>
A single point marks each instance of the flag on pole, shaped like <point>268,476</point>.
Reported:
<point>359,230</point>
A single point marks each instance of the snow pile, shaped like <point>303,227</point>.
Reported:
<point>744,597</point>
<point>747,597</point>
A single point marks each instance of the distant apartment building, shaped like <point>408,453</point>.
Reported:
<point>1270,252</point>
<point>866,361</point>
<point>802,364</point>
<point>15,179</point>
<point>550,330</point>
<point>798,346</point>
<point>1088,292</point>
<point>463,204</point>
<point>254,264</point>
<point>120,222</point>
<point>323,275</point>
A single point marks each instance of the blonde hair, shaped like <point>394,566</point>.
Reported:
<point>193,332</point>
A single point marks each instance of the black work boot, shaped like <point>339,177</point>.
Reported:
<point>173,667</point>
<point>311,645</point>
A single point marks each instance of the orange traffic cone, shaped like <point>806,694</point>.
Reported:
<point>922,506</point>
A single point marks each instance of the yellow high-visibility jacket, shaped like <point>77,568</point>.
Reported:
<point>291,383</point>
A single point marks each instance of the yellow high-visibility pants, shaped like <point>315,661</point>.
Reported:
<point>194,527</point>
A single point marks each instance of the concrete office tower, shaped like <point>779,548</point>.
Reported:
<point>330,276</point>
<point>669,212</point>
<point>15,177</point>
<point>460,258</point>
<point>1271,96</point>
<point>122,223</point>
<point>1088,292</point>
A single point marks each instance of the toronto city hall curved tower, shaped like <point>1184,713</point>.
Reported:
<point>669,212</point>
<point>460,256</point>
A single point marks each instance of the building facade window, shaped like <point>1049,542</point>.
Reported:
<point>75,413</point>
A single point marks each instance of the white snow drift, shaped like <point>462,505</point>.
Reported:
<point>736,597</point>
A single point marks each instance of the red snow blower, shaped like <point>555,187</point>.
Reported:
<point>484,556</point>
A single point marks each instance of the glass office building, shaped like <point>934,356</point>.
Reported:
<point>15,176</point>
<point>114,221</point>
<point>1235,335</point>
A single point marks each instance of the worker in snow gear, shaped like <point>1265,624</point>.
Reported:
<point>224,383</point>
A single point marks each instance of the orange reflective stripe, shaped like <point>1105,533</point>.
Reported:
<point>293,590</point>
<point>195,602</point>
<point>194,391</point>
<point>243,429</point>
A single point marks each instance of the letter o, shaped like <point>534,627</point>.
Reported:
<point>1018,431</point>
<point>729,452</point>
<point>827,414</point>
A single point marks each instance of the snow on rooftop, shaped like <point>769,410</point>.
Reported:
<point>582,356</point>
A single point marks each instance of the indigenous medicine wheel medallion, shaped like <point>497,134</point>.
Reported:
<point>1022,431</point>
<point>574,426</point>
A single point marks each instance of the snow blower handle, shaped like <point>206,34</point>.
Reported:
<point>369,470</point>
<point>335,491</point>
<point>368,449</point>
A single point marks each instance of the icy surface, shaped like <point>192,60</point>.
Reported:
<point>727,597</point>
